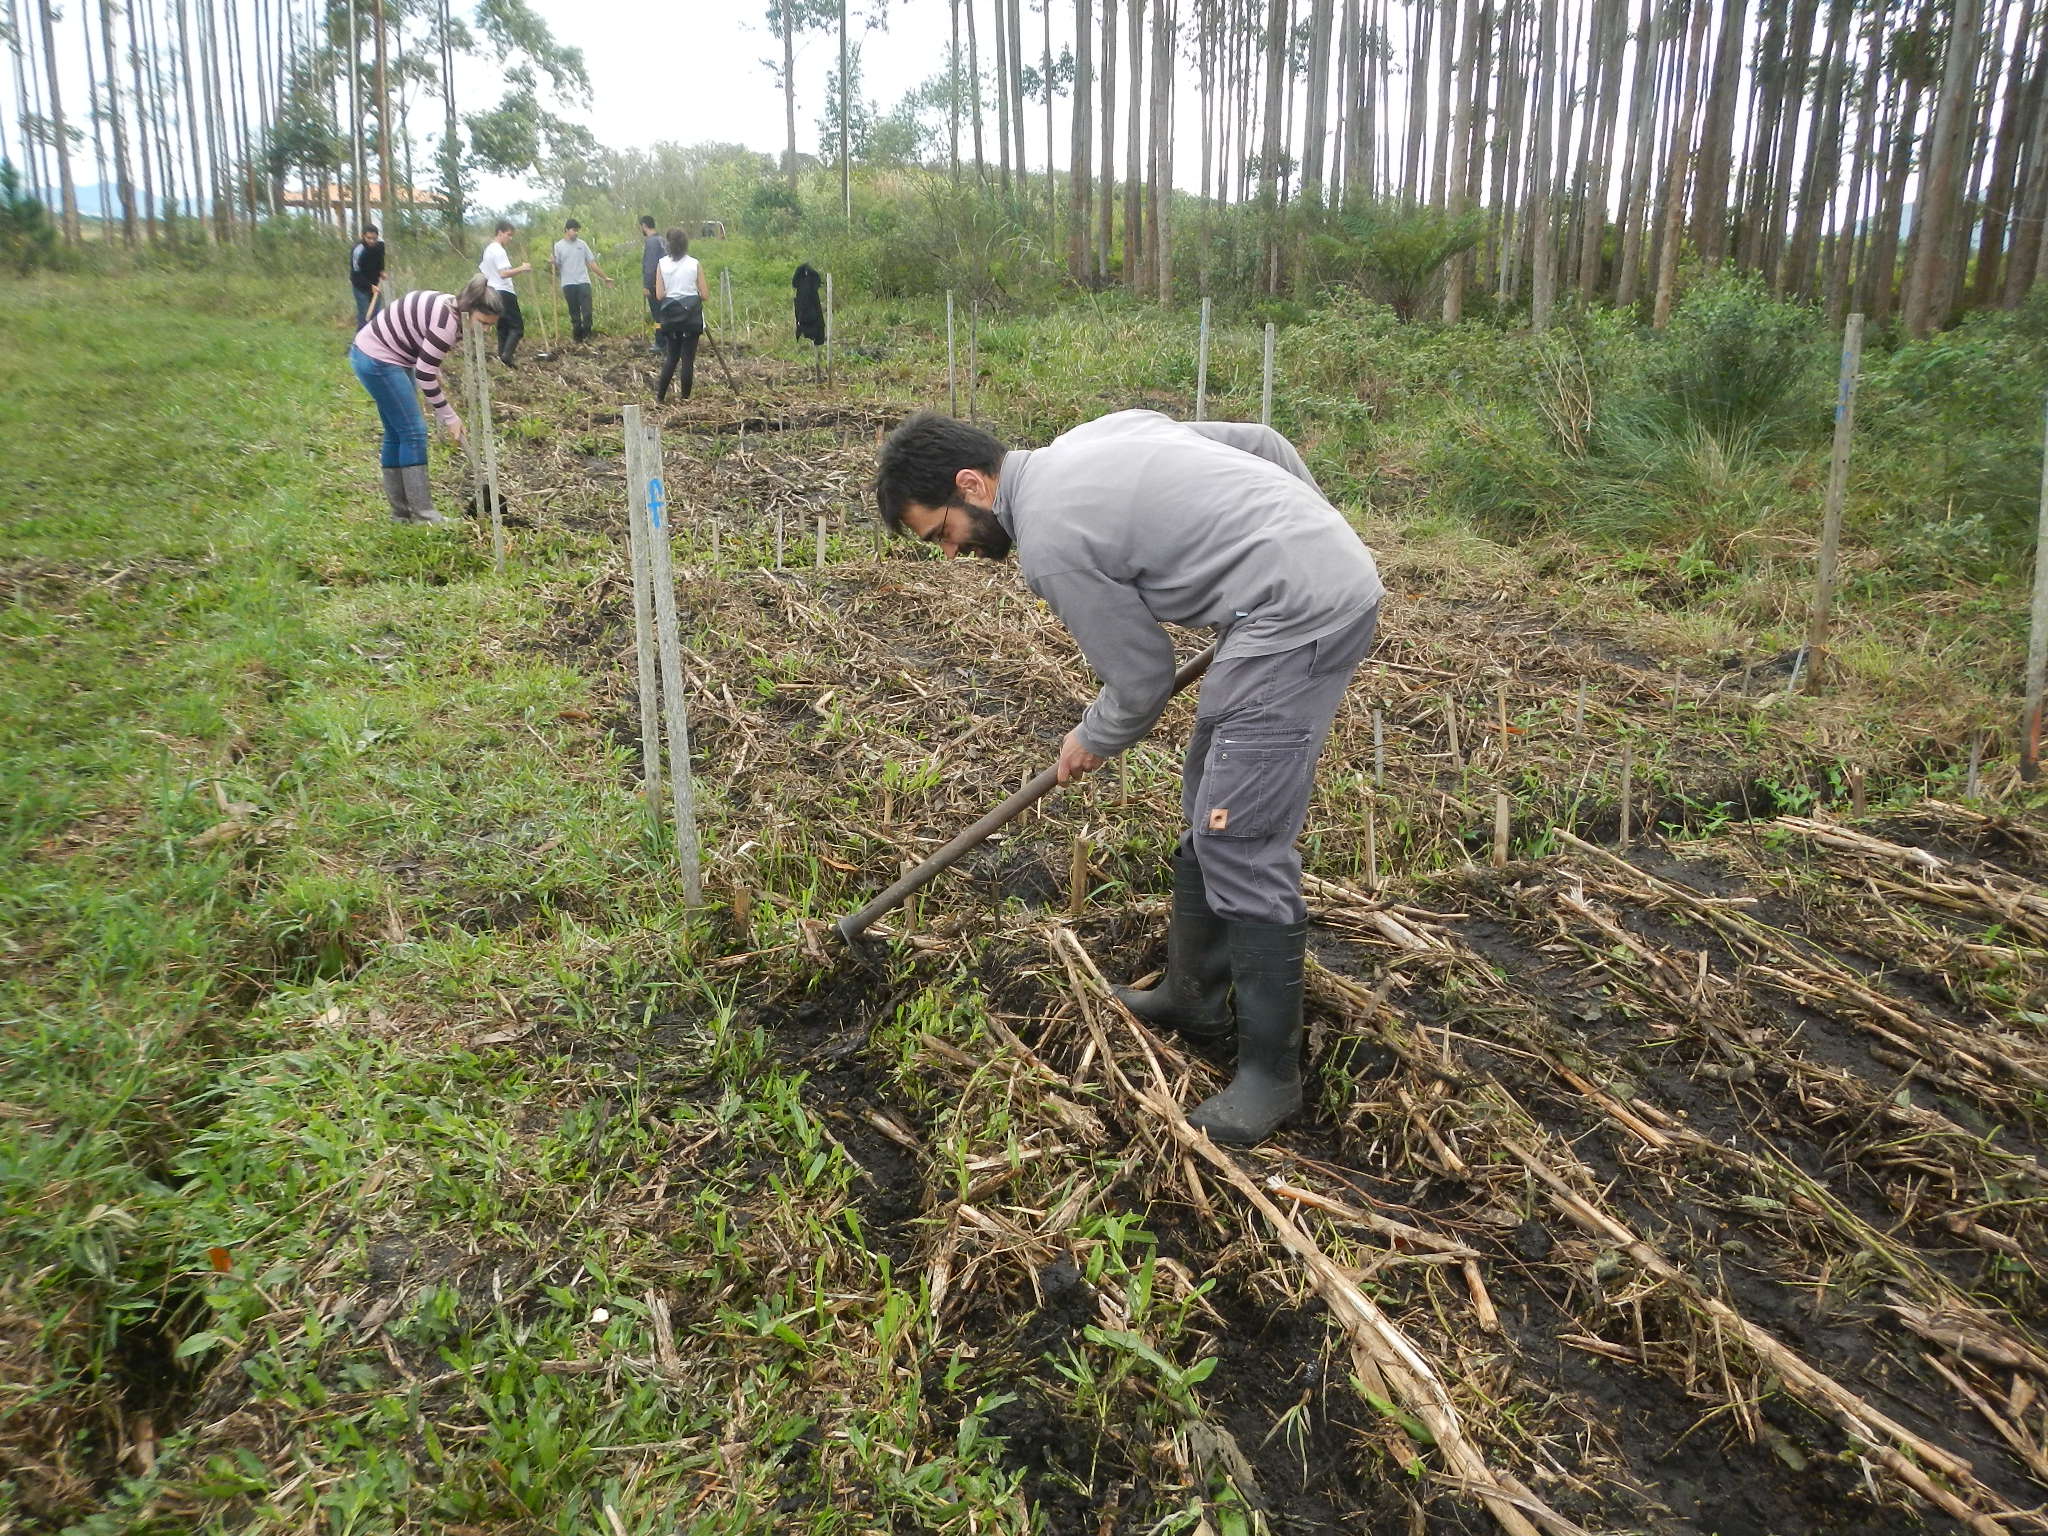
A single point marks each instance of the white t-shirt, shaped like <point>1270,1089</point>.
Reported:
<point>678,276</point>
<point>493,268</point>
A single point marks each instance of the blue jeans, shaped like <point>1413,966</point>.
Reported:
<point>398,403</point>
<point>363,298</point>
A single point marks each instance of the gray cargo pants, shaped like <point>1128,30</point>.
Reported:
<point>1251,762</point>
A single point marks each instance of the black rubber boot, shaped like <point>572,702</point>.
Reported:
<point>1265,963</point>
<point>1193,997</point>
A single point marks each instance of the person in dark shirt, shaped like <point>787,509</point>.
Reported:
<point>366,272</point>
<point>810,310</point>
<point>652,249</point>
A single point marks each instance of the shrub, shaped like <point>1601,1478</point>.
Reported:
<point>27,240</point>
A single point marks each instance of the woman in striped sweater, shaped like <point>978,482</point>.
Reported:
<point>398,358</point>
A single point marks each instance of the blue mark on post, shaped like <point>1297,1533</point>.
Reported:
<point>657,501</point>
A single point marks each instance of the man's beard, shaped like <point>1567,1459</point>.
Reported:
<point>990,540</point>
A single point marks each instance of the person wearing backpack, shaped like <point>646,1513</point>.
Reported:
<point>679,306</point>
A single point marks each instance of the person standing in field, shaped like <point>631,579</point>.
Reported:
<point>1131,522</point>
<point>498,272</point>
<point>652,249</point>
<point>366,272</point>
<point>573,264</point>
<point>679,299</point>
<point>398,357</point>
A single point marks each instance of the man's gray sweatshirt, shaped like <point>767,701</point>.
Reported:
<point>1135,520</point>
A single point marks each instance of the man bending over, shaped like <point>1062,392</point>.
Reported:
<point>1134,521</point>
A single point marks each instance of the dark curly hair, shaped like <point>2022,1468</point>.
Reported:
<point>922,456</point>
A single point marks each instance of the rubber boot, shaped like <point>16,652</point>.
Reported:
<point>1265,964</point>
<point>1193,997</point>
<point>419,494</point>
<point>395,493</point>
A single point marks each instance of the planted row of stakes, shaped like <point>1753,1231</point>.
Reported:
<point>659,675</point>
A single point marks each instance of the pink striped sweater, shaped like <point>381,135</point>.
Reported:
<point>417,333</point>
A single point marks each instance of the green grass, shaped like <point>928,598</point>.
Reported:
<point>354,1055</point>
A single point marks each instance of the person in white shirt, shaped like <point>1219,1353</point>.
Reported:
<point>498,272</point>
<point>573,263</point>
<point>679,305</point>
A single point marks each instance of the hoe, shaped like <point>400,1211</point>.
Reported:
<point>855,924</point>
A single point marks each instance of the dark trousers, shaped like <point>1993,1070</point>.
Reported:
<point>511,326</point>
<point>678,351</point>
<point>1251,764</point>
<point>364,298</point>
<point>577,297</point>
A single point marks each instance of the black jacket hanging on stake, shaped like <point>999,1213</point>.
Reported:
<point>810,310</point>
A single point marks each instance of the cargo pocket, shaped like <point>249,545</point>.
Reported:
<point>1255,783</point>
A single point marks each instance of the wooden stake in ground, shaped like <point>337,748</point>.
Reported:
<point>472,398</point>
<point>1266,380</point>
<point>1500,830</point>
<point>644,674</point>
<point>1372,850</point>
<point>2037,635</point>
<point>818,558</point>
<point>1077,877</point>
<point>952,377</point>
<point>1202,366</point>
<point>1831,524</point>
<point>1379,750</point>
<point>669,642</point>
<point>973,359</point>
<point>1628,770</point>
<point>779,537</point>
<point>489,429</point>
<point>725,283</point>
<point>828,327</point>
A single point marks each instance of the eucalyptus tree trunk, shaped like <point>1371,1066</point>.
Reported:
<point>1507,140</point>
<point>60,138</point>
<point>2028,244</point>
<point>95,116</point>
<point>1134,170</point>
<point>1600,173</point>
<point>1861,170</point>
<point>1784,158</point>
<point>1017,94</point>
<point>117,125</point>
<point>1271,146</point>
<point>1440,139</point>
<point>1542,244</point>
<point>1003,93</point>
<point>1105,231</point>
<point>1080,264</point>
<point>1315,122</point>
<point>953,92</point>
<point>785,9</point>
<point>142,126</point>
<point>1464,116</point>
<point>1161,189</point>
<point>1681,162</point>
<point>1930,267</point>
<point>1717,137</point>
<point>1052,196</point>
<point>1880,270</point>
<point>1358,115</point>
<point>1767,96</point>
<point>1821,180</point>
<point>1421,29</point>
<point>2023,84</point>
<point>974,77</point>
<point>452,210</point>
<point>1636,172</point>
<point>359,158</point>
<point>381,83</point>
<point>845,121</point>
